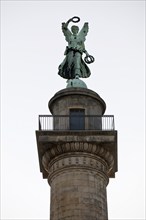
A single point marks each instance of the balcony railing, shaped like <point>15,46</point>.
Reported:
<point>74,122</point>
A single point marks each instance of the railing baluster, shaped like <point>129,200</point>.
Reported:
<point>39,123</point>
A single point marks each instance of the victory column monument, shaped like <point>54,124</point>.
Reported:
<point>77,144</point>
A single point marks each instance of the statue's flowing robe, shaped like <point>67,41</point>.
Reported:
<point>74,51</point>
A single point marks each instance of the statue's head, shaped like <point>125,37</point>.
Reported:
<point>75,29</point>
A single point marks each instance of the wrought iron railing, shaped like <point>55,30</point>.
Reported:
<point>67,122</point>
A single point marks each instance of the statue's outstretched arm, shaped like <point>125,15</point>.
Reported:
<point>65,29</point>
<point>67,33</point>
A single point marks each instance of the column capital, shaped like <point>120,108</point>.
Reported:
<point>79,154</point>
<point>101,144</point>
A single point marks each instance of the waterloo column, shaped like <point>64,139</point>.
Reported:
<point>77,144</point>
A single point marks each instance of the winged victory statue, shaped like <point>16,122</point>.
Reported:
<point>73,66</point>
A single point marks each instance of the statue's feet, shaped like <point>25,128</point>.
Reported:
<point>77,73</point>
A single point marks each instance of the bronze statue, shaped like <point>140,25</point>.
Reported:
<point>73,65</point>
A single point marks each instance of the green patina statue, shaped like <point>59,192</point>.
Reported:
<point>73,66</point>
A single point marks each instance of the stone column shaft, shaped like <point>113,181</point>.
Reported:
<point>78,181</point>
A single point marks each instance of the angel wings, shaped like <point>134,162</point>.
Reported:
<point>81,35</point>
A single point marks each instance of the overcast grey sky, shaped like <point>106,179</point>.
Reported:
<point>32,47</point>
